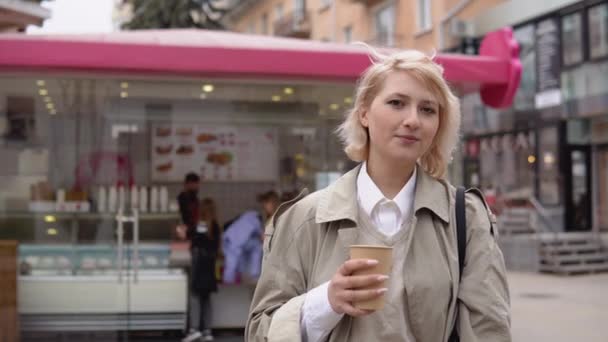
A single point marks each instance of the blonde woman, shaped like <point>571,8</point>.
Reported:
<point>402,129</point>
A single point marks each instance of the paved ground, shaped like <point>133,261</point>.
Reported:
<point>544,308</point>
<point>559,308</point>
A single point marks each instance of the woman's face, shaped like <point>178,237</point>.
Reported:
<point>402,120</point>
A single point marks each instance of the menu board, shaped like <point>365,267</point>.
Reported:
<point>548,68</point>
<point>216,153</point>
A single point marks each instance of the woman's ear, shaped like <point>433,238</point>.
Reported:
<point>363,118</point>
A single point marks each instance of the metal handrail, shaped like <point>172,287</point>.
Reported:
<point>543,215</point>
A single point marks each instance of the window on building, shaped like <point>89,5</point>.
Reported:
<point>278,11</point>
<point>251,28</point>
<point>298,5</point>
<point>524,98</point>
<point>598,31</point>
<point>385,26</point>
<point>424,15</point>
<point>572,39</point>
<point>299,8</point>
<point>348,34</point>
<point>265,23</point>
<point>326,3</point>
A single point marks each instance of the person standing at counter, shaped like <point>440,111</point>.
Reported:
<point>200,227</point>
<point>243,238</point>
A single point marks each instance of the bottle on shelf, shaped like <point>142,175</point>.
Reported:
<point>143,199</point>
<point>134,194</point>
<point>60,200</point>
<point>154,199</point>
<point>164,199</point>
<point>102,204</point>
<point>122,198</point>
<point>112,199</point>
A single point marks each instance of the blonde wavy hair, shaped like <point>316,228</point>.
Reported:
<point>420,66</point>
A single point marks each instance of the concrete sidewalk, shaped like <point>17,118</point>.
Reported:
<point>559,308</point>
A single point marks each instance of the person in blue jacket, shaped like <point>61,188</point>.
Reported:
<point>243,238</point>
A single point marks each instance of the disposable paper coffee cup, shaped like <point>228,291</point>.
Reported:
<point>384,255</point>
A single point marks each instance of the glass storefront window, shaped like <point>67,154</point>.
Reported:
<point>549,173</point>
<point>74,142</point>
<point>507,163</point>
<point>92,165</point>
<point>524,98</point>
<point>572,39</point>
<point>598,31</point>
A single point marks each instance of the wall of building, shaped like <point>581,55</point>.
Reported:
<point>329,19</point>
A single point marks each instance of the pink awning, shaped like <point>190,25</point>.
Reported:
<point>200,53</point>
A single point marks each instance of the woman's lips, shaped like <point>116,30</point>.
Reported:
<point>408,139</point>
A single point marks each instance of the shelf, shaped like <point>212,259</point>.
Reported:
<point>84,216</point>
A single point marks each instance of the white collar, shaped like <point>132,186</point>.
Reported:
<point>369,195</point>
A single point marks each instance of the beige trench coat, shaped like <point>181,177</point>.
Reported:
<point>308,239</point>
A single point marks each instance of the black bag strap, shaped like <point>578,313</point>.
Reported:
<point>461,235</point>
<point>461,228</point>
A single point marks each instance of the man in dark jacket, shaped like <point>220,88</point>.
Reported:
<point>191,229</point>
<point>189,203</point>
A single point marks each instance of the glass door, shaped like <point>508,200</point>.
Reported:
<point>578,189</point>
<point>602,169</point>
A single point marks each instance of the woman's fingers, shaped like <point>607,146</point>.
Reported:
<point>355,282</point>
<point>351,296</point>
<point>353,311</point>
<point>353,265</point>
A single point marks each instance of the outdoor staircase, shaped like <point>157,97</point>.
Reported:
<point>531,241</point>
<point>572,253</point>
<point>517,221</point>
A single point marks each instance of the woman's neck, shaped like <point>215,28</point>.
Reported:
<point>389,177</point>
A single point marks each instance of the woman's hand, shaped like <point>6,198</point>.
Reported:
<point>346,288</point>
<point>181,231</point>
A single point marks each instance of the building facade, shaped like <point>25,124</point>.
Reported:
<point>422,24</point>
<point>552,144</point>
<point>16,15</point>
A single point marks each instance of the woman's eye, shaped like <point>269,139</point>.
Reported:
<point>396,103</point>
<point>428,110</point>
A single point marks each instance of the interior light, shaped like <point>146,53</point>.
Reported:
<point>288,90</point>
<point>50,218</point>
<point>276,98</point>
<point>43,92</point>
<point>124,85</point>
<point>124,94</point>
<point>51,231</point>
<point>334,106</point>
<point>40,83</point>
<point>207,88</point>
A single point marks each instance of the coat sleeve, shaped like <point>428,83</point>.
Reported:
<point>276,307</point>
<point>484,309</point>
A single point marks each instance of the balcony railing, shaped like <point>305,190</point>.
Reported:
<point>387,40</point>
<point>368,3</point>
<point>295,24</point>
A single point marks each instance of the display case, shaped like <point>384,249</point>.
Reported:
<point>99,272</point>
<point>94,272</point>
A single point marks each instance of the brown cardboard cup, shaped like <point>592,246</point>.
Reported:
<point>384,255</point>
